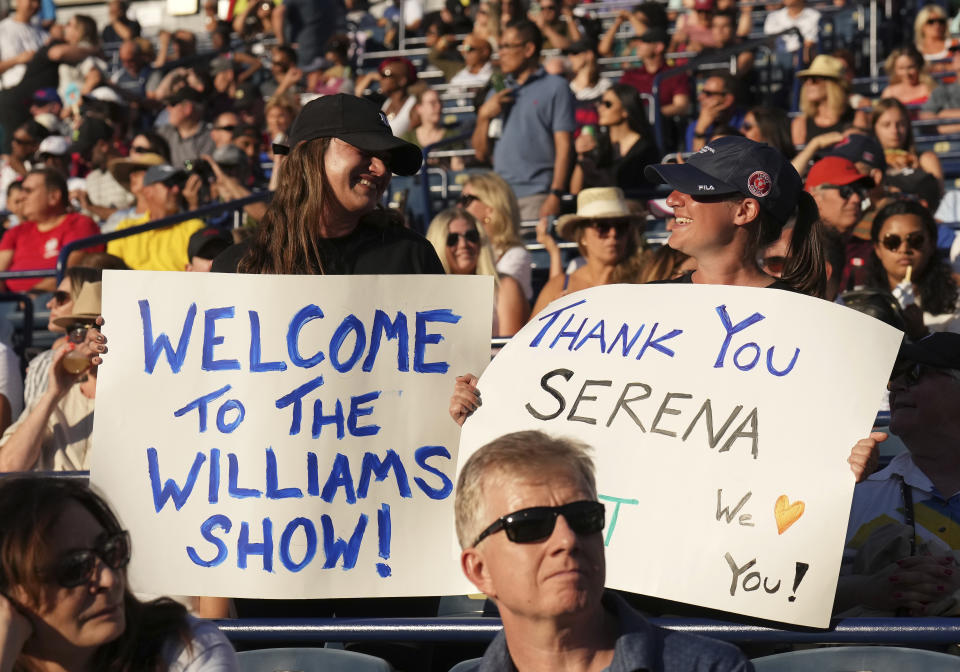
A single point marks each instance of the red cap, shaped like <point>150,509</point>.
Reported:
<point>703,5</point>
<point>400,62</point>
<point>834,170</point>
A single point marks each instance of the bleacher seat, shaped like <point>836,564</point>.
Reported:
<point>872,658</point>
<point>309,660</point>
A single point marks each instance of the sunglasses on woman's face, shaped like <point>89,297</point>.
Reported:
<point>60,297</point>
<point>472,237</point>
<point>915,241</point>
<point>603,226</point>
<point>77,567</point>
<point>140,149</point>
<point>467,199</point>
<point>933,22</point>
<point>528,526</point>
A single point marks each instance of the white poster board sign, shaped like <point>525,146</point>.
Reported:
<point>286,436</point>
<point>722,419</point>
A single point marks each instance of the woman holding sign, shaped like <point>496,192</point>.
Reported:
<point>325,216</point>
<point>64,602</point>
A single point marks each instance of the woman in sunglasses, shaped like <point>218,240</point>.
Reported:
<point>608,236</point>
<point>930,36</point>
<point>623,147</point>
<point>64,602</point>
<point>824,101</point>
<point>464,249</point>
<point>904,262</point>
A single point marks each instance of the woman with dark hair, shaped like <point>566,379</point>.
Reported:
<point>325,216</point>
<point>623,148</point>
<point>904,262</point>
<point>890,121</point>
<point>148,142</point>
<point>770,125</point>
<point>64,602</point>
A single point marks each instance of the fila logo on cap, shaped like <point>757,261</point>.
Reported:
<point>705,187</point>
<point>759,184</point>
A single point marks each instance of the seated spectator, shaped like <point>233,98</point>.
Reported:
<point>149,142</point>
<point>824,106</point>
<point>103,195</point>
<point>46,101</point>
<point>204,246</point>
<point>644,16</point>
<point>443,55</point>
<point>489,198</point>
<point>569,622</point>
<point>890,122</point>
<point>224,125</point>
<point>36,243</point>
<point>675,90</point>
<point>91,71</point>
<point>587,84</point>
<point>14,207</point>
<point>904,261</point>
<point>477,67</point>
<point>395,76</point>
<point>337,77</point>
<point>464,249</point>
<point>692,30</point>
<point>186,132</point>
<point>718,107</point>
<point>723,28</point>
<point>624,145</point>
<point>55,432</point>
<point>54,153</point>
<point>909,81</point>
<point>280,113</point>
<point>795,14</point>
<point>839,189</point>
<point>944,102</point>
<point>930,36</point>
<point>255,22</point>
<point>66,603</point>
<point>429,111</point>
<point>557,33</point>
<point>163,249</point>
<point>772,126</point>
<point>120,27</point>
<point>608,236</point>
<point>902,541</point>
<point>135,77</point>
<point>286,76</point>
<point>13,166</point>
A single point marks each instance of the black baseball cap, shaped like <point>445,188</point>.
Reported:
<point>941,350</point>
<point>184,93</point>
<point>860,148</point>
<point>735,165</point>
<point>357,121</point>
<point>91,130</point>
<point>208,242</point>
<point>580,46</point>
<point>654,34</point>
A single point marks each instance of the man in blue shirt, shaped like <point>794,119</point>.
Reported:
<point>532,144</point>
<point>529,524</point>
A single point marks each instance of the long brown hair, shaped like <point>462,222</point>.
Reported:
<point>30,508</point>
<point>288,240</point>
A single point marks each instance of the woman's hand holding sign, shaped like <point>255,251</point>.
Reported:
<point>465,399</point>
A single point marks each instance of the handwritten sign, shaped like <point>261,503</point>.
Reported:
<point>286,437</point>
<point>722,419</point>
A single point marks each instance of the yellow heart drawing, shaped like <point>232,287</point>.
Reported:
<point>786,513</point>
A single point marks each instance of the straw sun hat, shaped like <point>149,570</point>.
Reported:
<point>86,308</point>
<point>595,203</point>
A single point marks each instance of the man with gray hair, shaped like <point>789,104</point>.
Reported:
<point>529,524</point>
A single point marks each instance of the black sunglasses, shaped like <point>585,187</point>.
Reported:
<point>845,191</point>
<point>603,226</point>
<point>60,297</point>
<point>915,241</point>
<point>909,373</point>
<point>467,199</point>
<point>934,21</point>
<point>225,128</point>
<point>77,567</point>
<point>536,524</point>
<point>472,236</point>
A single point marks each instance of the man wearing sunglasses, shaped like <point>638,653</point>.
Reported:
<point>904,533</point>
<point>529,524</point>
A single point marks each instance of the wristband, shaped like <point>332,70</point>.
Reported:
<point>559,193</point>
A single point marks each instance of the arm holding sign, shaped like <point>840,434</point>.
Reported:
<point>865,454</point>
<point>465,399</point>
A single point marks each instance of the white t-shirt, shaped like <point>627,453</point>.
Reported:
<point>209,650</point>
<point>468,79</point>
<point>517,263</point>
<point>400,123</point>
<point>16,38</point>
<point>808,22</point>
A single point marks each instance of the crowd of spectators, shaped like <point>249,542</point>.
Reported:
<point>569,119</point>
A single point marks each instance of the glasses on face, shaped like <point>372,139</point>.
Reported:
<point>513,45</point>
<point>528,526</point>
<point>23,141</point>
<point>846,191</point>
<point>77,567</point>
<point>467,48</point>
<point>61,297</point>
<point>472,237</point>
<point>813,79</point>
<point>228,128</point>
<point>705,92</point>
<point>915,241</point>
<point>603,226</point>
<point>909,373</point>
<point>140,149</point>
<point>935,21</point>
<point>467,199</point>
